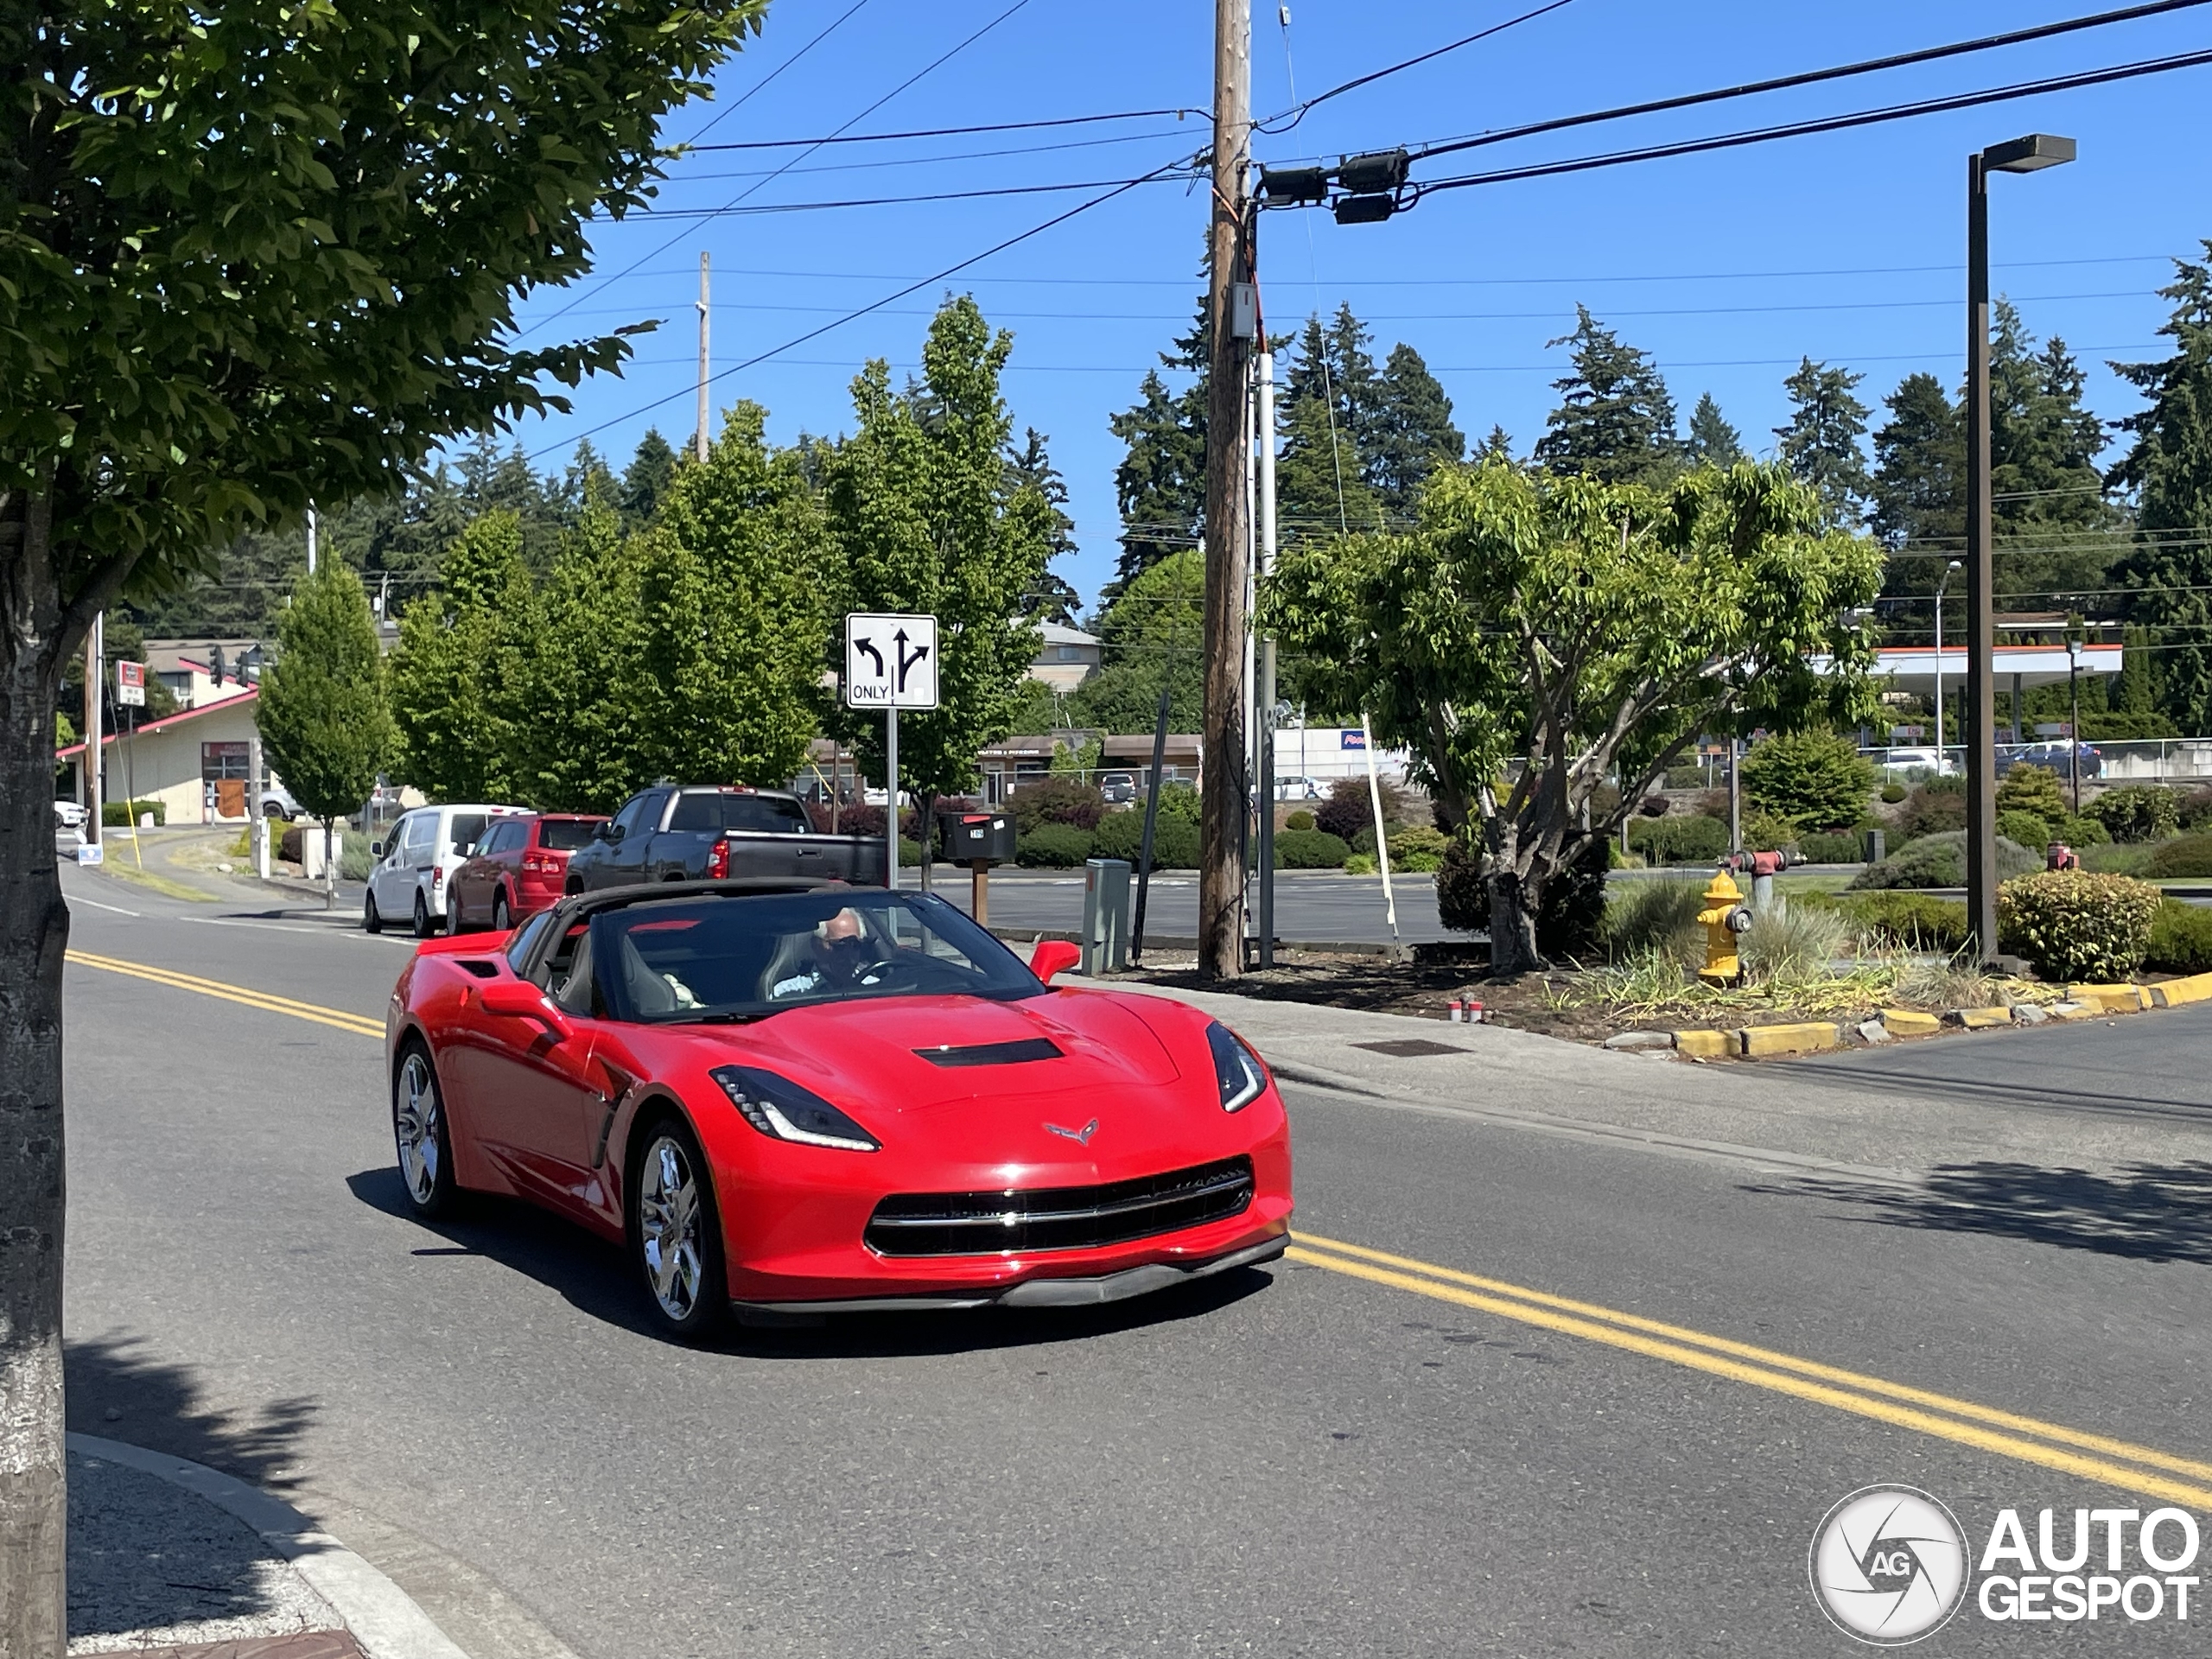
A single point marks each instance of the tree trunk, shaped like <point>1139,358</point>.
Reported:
<point>34,934</point>
<point>1512,924</point>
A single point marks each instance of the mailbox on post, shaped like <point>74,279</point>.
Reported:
<point>978,840</point>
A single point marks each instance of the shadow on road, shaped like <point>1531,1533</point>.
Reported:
<point>596,1280</point>
<point>117,1390</point>
<point>2151,1213</point>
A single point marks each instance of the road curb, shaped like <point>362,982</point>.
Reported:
<point>381,1617</point>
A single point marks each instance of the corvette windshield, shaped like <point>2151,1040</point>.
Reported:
<point>698,959</point>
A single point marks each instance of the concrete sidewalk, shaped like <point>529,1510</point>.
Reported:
<point>1775,1115</point>
<point>172,1559</point>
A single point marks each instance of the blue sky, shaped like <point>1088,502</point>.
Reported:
<point>1726,267</point>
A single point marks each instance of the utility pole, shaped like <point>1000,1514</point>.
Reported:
<point>1264,678</point>
<point>699,449</point>
<point>1226,799</point>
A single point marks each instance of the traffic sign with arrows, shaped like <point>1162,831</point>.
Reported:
<point>890,661</point>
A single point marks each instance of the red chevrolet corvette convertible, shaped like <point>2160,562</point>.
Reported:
<point>804,1097</point>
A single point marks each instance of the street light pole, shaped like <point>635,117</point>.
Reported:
<point>1940,587</point>
<point>2028,155</point>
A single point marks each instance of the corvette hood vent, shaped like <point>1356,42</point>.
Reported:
<point>1013,1053</point>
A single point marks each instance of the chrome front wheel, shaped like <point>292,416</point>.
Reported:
<point>677,1234</point>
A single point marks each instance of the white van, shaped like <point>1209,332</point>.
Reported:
<point>413,865</point>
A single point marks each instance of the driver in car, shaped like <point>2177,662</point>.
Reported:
<point>842,955</point>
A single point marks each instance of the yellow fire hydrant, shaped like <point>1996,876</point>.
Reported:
<point>1724,918</point>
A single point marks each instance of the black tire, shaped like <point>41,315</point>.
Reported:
<point>687,1290</point>
<point>453,913</point>
<point>371,921</point>
<point>502,919</point>
<point>423,927</point>
<point>422,1139</point>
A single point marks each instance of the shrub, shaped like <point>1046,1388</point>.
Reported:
<point>1941,862</point>
<point>1675,841</point>
<point>1813,778</point>
<point>116,815</point>
<point>1687,775</point>
<point>1766,833</point>
<point>2190,856</point>
<point>1310,850</point>
<point>2033,789</point>
<point>1301,819</point>
<point>1179,801</point>
<point>1348,811</point>
<point>2025,828</point>
<point>1823,848</point>
<point>1417,849</point>
<point>2073,925</point>
<point>1787,937</point>
<point>1462,899</point>
<point>353,860</point>
<point>1892,792</point>
<point>1912,921</point>
<point>2116,858</point>
<point>1933,809</point>
<point>2084,832</point>
<point>1659,916</point>
<point>1052,847</point>
<point>2197,810</point>
<point>1055,800</point>
<point>2181,939</point>
<point>2138,812</point>
<point>1121,835</point>
<point>1360,864</point>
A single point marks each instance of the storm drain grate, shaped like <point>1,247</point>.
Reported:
<point>1409,1048</point>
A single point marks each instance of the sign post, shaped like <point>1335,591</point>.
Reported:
<point>891,663</point>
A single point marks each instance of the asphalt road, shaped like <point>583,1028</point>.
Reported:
<point>1330,1457</point>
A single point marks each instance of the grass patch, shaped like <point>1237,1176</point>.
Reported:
<point>130,872</point>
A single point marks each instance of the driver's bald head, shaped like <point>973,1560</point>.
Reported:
<point>845,925</point>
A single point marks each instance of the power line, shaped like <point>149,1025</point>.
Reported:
<point>841,136</point>
<point>933,161</point>
<point>1297,112</point>
<point>763,84</point>
<point>1926,54</point>
<point>1830,124</point>
<point>857,313</point>
<point>1158,175</point>
<point>925,69</point>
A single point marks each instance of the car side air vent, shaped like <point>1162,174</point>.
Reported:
<point>481,969</point>
<point>1013,1053</point>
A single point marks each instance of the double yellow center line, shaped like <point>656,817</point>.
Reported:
<point>360,1025</point>
<point>2051,1446</point>
<point>2093,1457</point>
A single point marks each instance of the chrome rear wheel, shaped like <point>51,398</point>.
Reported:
<point>419,1134</point>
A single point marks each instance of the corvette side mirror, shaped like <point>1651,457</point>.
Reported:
<point>1054,956</point>
<point>519,999</point>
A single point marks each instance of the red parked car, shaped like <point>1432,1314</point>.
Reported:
<point>517,870</point>
<point>788,1096</point>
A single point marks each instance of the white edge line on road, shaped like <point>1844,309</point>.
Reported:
<point>1574,1129</point>
<point>80,900</point>
<point>381,1616</point>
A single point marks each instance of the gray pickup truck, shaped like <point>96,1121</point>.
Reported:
<point>691,834</point>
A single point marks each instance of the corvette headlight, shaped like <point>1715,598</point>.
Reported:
<point>782,1111</point>
<point>1236,1071</point>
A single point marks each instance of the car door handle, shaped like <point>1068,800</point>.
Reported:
<point>810,852</point>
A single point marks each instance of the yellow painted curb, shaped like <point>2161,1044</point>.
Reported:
<point>2075,1011</point>
<point>1980,1018</point>
<point>1910,1022</point>
<point>1707,1045</point>
<point>1760,1040</point>
<point>2113,999</point>
<point>2197,987</point>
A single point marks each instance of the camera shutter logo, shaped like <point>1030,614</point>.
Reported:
<point>1889,1566</point>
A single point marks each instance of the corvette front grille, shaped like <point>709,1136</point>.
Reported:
<point>1058,1218</point>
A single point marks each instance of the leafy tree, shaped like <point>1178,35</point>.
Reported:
<point>1153,635</point>
<point>582,749</point>
<point>920,504</point>
<point>1814,779</point>
<point>1052,600</point>
<point>1712,439</point>
<point>2169,465</point>
<point>1615,423</point>
<point>646,479</point>
<point>1536,631</point>
<point>254,257</point>
<point>1161,483</point>
<point>453,672</point>
<point>323,715</point>
<point>1410,431</point>
<point>1820,443</point>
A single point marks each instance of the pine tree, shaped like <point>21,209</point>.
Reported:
<point>1412,430</point>
<point>2170,468</point>
<point>1321,472</point>
<point>1711,440</point>
<point>1161,483</point>
<point>1820,443</point>
<point>1498,446</point>
<point>1051,598</point>
<point>1614,421</point>
<point>1919,485</point>
<point>646,480</point>
<point>2055,533</point>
